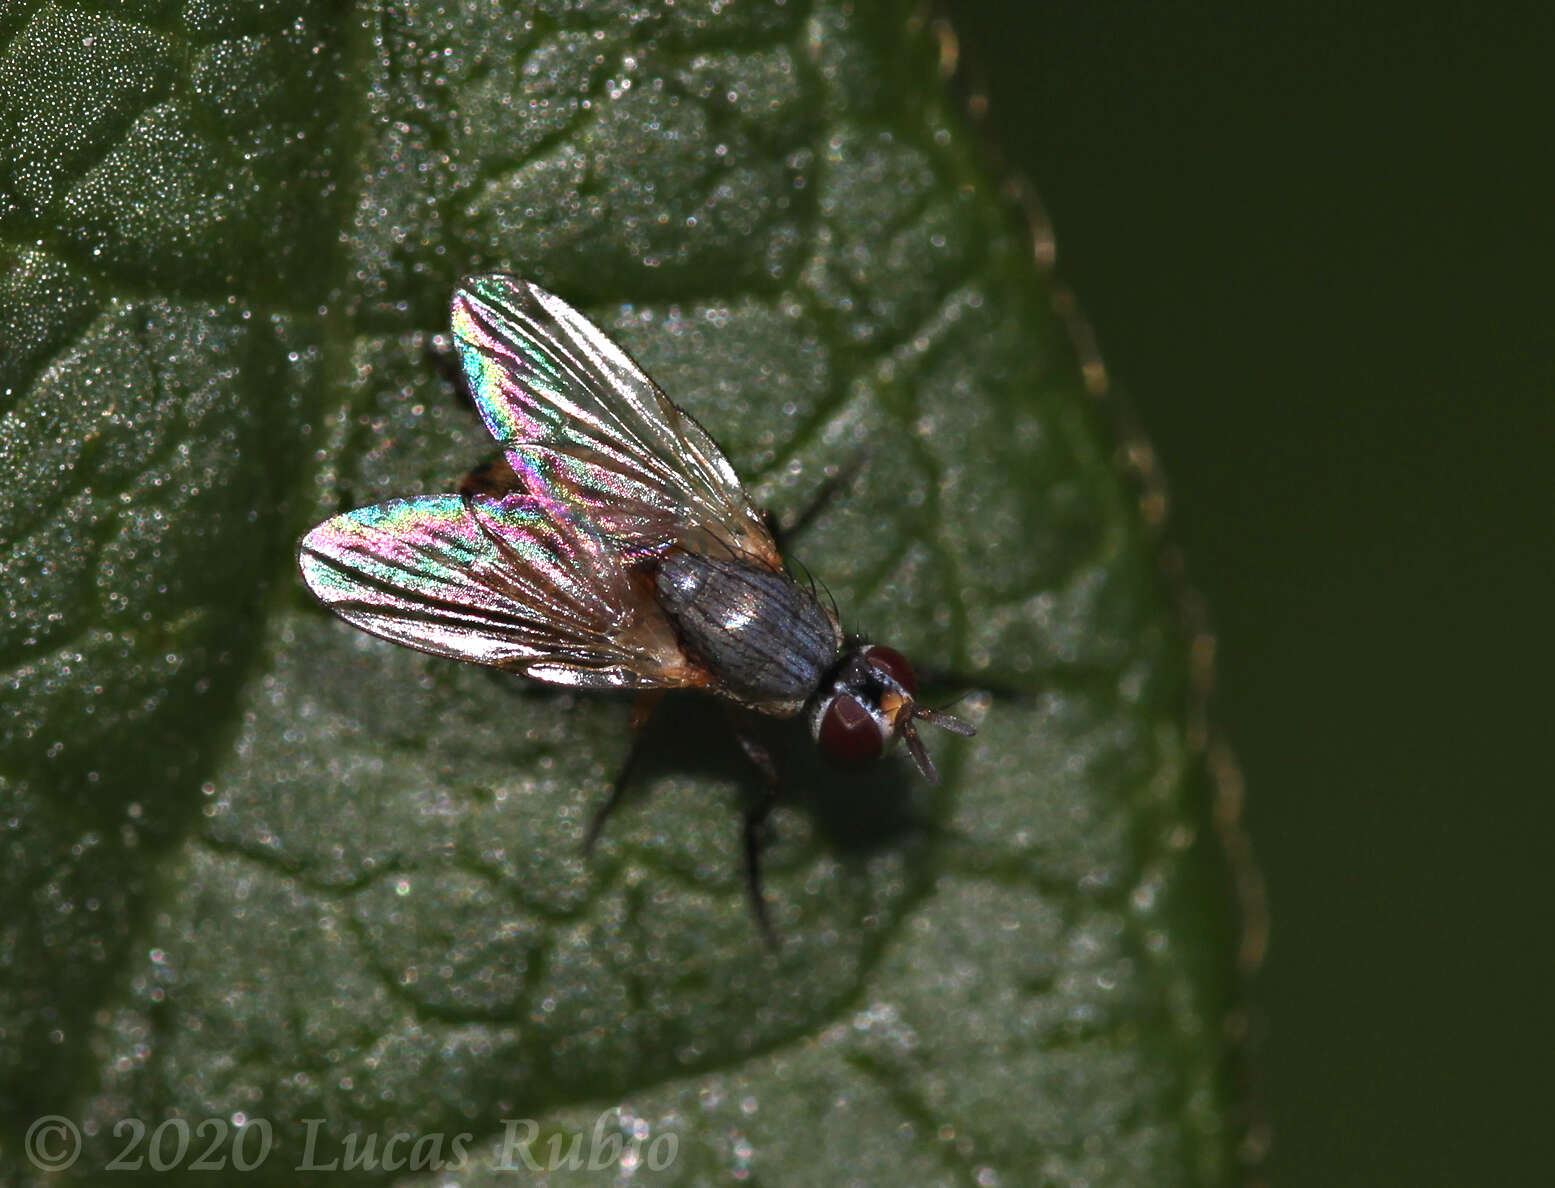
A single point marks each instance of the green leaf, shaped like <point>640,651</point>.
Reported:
<point>259,866</point>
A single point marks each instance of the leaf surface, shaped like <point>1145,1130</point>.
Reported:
<point>259,866</point>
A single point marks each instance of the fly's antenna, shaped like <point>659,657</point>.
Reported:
<point>935,717</point>
<point>945,721</point>
<point>943,706</point>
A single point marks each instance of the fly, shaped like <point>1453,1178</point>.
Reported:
<point>611,547</point>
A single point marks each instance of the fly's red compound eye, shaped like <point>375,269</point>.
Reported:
<point>849,733</point>
<point>893,664</point>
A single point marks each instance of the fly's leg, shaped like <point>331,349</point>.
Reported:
<point>933,680</point>
<point>755,818</point>
<point>439,354</point>
<point>756,814</point>
<point>492,479</point>
<point>642,710</point>
<point>785,534</point>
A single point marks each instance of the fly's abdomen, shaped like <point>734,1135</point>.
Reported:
<point>763,636</point>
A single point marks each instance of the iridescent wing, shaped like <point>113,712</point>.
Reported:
<point>581,423</point>
<point>516,583</point>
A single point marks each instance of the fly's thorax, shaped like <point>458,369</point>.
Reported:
<point>765,639</point>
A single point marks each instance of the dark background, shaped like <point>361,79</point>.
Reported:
<point>1315,245</point>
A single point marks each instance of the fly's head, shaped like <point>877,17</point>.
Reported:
<point>868,701</point>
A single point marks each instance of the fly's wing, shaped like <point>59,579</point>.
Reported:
<point>581,423</point>
<point>515,583</point>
